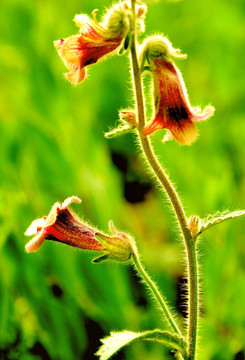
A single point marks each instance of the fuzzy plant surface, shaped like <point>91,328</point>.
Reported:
<point>155,58</point>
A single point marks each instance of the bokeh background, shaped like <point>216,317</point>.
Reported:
<point>54,304</point>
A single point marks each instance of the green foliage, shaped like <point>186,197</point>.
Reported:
<point>113,343</point>
<point>56,302</point>
<point>218,218</point>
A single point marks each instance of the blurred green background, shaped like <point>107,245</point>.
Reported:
<point>54,304</point>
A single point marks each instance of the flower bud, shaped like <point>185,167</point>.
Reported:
<point>128,116</point>
<point>194,225</point>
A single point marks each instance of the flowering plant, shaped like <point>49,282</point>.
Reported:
<point>118,31</point>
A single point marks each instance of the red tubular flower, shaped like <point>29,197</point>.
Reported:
<point>92,42</point>
<point>63,226</point>
<point>172,107</point>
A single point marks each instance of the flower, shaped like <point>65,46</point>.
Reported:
<point>172,107</point>
<point>63,226</point>
<point>93,41</point>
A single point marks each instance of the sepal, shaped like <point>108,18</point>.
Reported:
<point>101,258</point>
<point>117,247</point>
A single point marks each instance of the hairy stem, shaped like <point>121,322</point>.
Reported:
<point>156,293</point>
<point>173,197</point>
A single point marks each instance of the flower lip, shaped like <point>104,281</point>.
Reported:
<point>50,219</point>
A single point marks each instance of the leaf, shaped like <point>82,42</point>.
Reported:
<point>218,218</point>
<point>119,131</point>
<point>117,340</point>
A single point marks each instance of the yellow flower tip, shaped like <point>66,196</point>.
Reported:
<point>67,202</point>
<point>188,136</point>
<point>167,137</point>
<point>36,224</point>
<point>209,111</point>
<point>57,44</point>
<point>76,74</point>
<point>81,20</point>
<point>51,218</point>
<point>203,114</point>
<point>35,243</point>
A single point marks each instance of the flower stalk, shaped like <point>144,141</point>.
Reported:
<point>173,197</point>
<point>156,293</point>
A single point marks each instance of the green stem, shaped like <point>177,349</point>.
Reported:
<point>154,289</point>
<point>189,244</point>
<point>173,197</point>
<point>193,301</point>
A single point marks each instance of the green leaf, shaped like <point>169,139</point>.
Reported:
<point>113,343</point>
<point>119,131</point>
<point>219,218</point>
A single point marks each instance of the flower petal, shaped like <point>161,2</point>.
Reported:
<point>154,125</point>
<point>67,202</point>
<point>76,73</point>
<point>203,115</point>
<point>35,225</point>
<point>51,218</point>
<point>72,49</point>
<point>184,132</point>
<point>36,242</point>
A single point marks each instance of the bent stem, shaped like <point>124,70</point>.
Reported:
<point>172,195</point>
<point>156,293</point>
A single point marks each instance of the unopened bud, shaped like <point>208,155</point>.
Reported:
<point>194,225</point>
<point>128,116</point>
